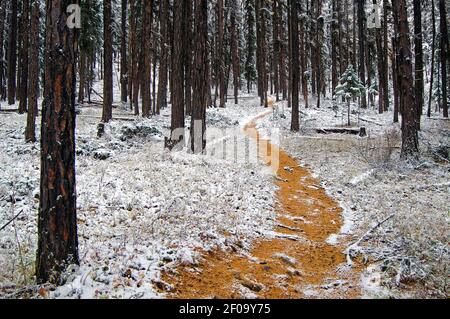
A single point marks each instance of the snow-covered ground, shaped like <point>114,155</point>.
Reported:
<point>408,254</point>
<point>140,209</point>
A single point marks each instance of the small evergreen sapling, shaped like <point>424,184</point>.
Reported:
<point>350,87</point>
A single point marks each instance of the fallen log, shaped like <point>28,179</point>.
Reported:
<point>362,132</point>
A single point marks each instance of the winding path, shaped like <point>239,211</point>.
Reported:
<point>296,263</point>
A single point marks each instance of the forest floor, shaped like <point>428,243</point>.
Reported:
<point>155,224</point>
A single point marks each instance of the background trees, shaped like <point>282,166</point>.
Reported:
<point>177,54</point>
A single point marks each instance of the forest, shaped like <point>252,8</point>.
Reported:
<point>224,149</point>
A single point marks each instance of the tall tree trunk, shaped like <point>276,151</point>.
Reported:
<point>251,43</point>
<point>3,8</point>
<point>33,85</point>
<point>385,56</point>
<point>82,85</point>
<point>433,57</point>
<point>107,63</point>
<point>283,54</point>
<point>178,119</point>
<point>261,51</point>
<point>188,38</point>
<point>410,139</point>
<point>362,49</point>
<point>380,68</point>
<point>320,76</point>
<point>334,45</point>
<point>445,52</point>
<point>235,49</point>
<point>147,52</point>
<point>303,61</point>
<point>57,220</point>
<point>24,21</point>
<point>419,65</point>
<point>12,53</point>
<point>163,66</point>
<point>135,53</point>
<point>276,46</point>
<point>221,55</point>
<point>123,54</point>
<point>200,76</point>
<point>395,81</point>
<point>295,122</point>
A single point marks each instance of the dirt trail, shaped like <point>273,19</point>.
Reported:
<point>298,264</point>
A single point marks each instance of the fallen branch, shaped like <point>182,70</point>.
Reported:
<point>289,228</point>
<point>365,237</point>
<point>13,219</point>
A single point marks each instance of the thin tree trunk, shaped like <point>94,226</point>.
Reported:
<point>433,57</point>
<point>147,65</point>
<point>123,54</point>
<point>108,63</point>
<point>12,53</point>
<point>362,49</point>
<point>3,9</point>
<point>445,52</point>
<point>419,64</point>
<point>188,57</point>
<point>33,85</point>
<point>295,122</point>
<point>163,66</point>
<point>220,47</point>
<point>24,20</point>
<point>235,50</point>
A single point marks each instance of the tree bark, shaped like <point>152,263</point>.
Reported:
<point>178,118</point>
<point>419,65</point>
<point>200,77</point>
<point>220,52</point>
<point>123,54</point>
<point>147,52</point>
<point>12,53</point>
<point>57,220</point>
<point>107,63</point>
<point>235,50</point>
<point>33,85</point>
<point>25,27</point>
<point>410,139</point>
<point>163,66</point>
<point>3,8</point>
<point>295,121</point>
<point>362,49</point>
<point>433,57</point>
<point>445,52</point>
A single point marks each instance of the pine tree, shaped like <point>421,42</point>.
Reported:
<point>57,220</point>
<point>200,75</point>
<point>410,139</point>
<point>250,69</point>
<point>164,61</point>
<point>123,53</point>
<point>108,62</point>
<point>12,53</point>
<point>33,85</point>
<point>24,28</point>
<point>147,67</point>
<point>294,65</point>
<point>350,87</point>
